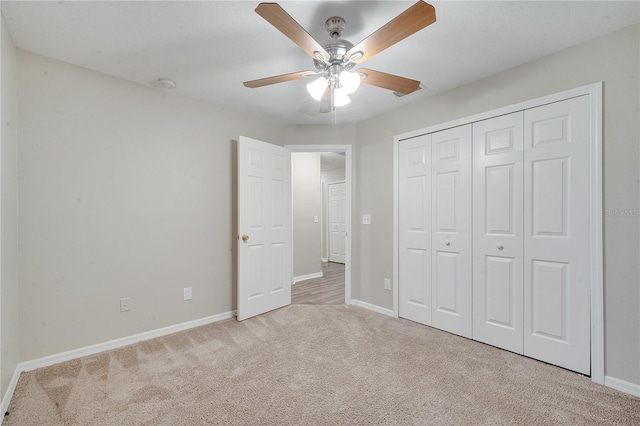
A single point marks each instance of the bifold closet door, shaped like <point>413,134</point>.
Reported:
<point>497,232</point>
<point>451,230</point>
<point>414,223</point>
<point>557,234</point>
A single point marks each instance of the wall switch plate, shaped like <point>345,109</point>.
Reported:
<point>315,219</point>
<point>125,304</point>
<point>387,284</point>
<point>187,293</point>
<point>366,219</point>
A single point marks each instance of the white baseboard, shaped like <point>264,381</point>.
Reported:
<point>622,386</point>
<point>307,277</point>
<point>118,343</point>
<point>324,259</point>
<point>374,308</point>
<point>9,393</point>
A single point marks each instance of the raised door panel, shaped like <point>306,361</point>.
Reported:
<point>414,223</point>
<point>557,234</point>
<point>280,206</point>
<point>451,224</point>
<point>498,231</point>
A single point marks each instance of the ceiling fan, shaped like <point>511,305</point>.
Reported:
<point>336,59</point>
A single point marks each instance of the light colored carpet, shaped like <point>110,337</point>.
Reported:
<point>312,364</point>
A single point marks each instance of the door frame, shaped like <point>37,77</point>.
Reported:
<point>348,178</point>
<point>594,91</point>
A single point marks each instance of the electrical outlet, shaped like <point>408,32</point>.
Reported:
<point>387,284</point>
<point>125,304</point>
<point>187,293</point>
<point>366,219</point>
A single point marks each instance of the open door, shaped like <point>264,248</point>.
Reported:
<point>264,227</point>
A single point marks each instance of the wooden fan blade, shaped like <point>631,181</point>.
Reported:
<point>326,104</point>
<point>276,16</point>
<point>412,20</point>
<point>389,81</point>
<point>276,79</point>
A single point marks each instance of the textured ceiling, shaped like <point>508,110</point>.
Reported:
<point>210,47</point>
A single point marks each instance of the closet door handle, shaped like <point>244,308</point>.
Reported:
<point>500,246</point>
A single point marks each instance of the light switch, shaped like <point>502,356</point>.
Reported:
<point>315,219</point>
<point>366,219</point>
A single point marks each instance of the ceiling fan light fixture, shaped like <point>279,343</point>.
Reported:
<point>349,81</point>
<point>317,87</point>
<point>336,59</point>
<point>340,98</point>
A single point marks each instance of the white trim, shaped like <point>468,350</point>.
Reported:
<point>594,91</point>
<point>371,307</point>
<point>350,187</point>
<point>396,236</point>
<point>118,343</point>
<point>324,259</point>
<point>307,277</point>
<point>622,386</point>
<point>596,189</point>
<point>9,393</point>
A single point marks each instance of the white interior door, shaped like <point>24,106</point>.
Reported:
<point>414,226</point>
<point>264,227</point>
<point>497,231</point>
<point>557,234</point>
<point>337,222</point>
<point>451,230</point>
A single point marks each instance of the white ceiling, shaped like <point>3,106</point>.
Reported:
<point>210,47</point>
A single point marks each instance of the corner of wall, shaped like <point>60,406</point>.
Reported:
<point>9,336</point>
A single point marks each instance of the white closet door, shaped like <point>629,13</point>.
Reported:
<point>414,222</point>
<point>556,223</point>
<point>451,230</point>
<point>497,232</point>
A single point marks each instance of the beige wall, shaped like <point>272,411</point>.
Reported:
<point>125,191</point>
<point>305,176</point>
<point>319,134</point>
<point>613,59</point>
<point>9,342</point>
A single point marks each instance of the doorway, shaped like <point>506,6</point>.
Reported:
<point>334,278</point>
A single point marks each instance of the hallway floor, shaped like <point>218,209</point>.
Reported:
<point>328,290</point>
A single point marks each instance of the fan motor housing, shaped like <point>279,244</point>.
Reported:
<point>336,48</point>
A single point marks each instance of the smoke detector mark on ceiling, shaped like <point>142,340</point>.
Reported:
<point>164,83</point>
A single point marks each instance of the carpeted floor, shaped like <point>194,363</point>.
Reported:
<point>308,365</point>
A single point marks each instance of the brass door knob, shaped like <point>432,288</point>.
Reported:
<point>245,237</point>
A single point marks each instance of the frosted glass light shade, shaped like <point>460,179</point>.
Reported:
<point>350,81</point>
<point>340,98</point>
<point>316,88</point>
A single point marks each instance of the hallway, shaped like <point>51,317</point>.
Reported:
<point>328,290</point>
